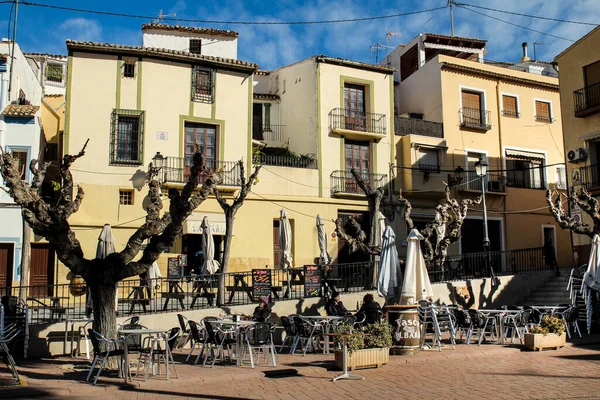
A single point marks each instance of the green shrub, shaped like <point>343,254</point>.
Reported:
<point>376,336</point>
<point>550,324</point>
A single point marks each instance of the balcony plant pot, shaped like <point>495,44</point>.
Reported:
<point>539,341</point>
<point>363,358</point>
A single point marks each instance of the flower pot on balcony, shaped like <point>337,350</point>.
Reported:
<point>363,358</point>
<point>539,341</point>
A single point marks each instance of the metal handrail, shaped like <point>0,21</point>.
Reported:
<point>340,118</point>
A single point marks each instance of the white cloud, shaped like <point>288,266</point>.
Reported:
<point>80,29</point>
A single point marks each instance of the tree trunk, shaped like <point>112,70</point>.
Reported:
<point>105,318</point>
<point>225,261</point>
<point>25,260</point>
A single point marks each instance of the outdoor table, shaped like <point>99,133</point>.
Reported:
<point>499,314</point>
<point>296,278</point>
<point>175,292</point>
<point>239,279</point>
<point>239,325</point>
<point>72,330</point>
<point>345,374</point>
<point>138,298</point>
<point>201,289</point>
<point>327,322</point>
<point>162,333</point>
<point>551,309</point>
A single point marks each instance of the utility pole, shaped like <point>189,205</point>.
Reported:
<point>12,55</point>
<point>450,3</point>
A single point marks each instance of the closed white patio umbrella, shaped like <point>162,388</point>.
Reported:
<point>416,285</point>
<point>390,275</point>
<point>324,258</point>
<point>285,240</point>
<point>106,246</point>
<point>591,279</point>
<point>210,265</point>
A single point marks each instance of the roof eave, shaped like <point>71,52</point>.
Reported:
<point>354,64</point>
<point>447,66</point>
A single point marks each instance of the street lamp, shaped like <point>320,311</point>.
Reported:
<point>156,165</point>
<point>481,170</point>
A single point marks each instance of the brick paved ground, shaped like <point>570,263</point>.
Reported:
<point>469,372</point>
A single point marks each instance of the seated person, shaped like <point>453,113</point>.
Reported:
<point>262,312</point>
<point>370,309</point>
<point>335,307</point>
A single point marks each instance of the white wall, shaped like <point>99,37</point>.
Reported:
<point>218,46</point>
<point>25,78</point>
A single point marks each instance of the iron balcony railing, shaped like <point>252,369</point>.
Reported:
<point>413,126</point>
<point>494,183</point>
<point>475,118</point>
<point>522,68</point>
<point>543,118</point>
<point>525,183</point>
<point>587,100</point>
<point>430,168</point>
<point>270,133</point>
<point>285,161</point>
<point>177,170</point>
<point>344,182</point>
<point>481,265</point>
<point>511,113</point>
<point>340,118</point>
<point>590,175</point>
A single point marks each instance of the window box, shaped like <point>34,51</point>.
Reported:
<point>539,342</point>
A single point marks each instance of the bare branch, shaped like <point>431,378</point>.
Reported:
<point>555,200</point>
<point>357,240</point>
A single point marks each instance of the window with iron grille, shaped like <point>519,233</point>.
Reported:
<point>543,111</point>
<point>126,137</point>
<point>203,83</point>
<point>54,72</point>
<point>196,46</point>
<point>129,69</point>
<point>125,197</point>
<point>21,156</point>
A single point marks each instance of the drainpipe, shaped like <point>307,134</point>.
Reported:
<point>499,111</point>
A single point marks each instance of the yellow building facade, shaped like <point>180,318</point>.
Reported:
<point>579,67</point>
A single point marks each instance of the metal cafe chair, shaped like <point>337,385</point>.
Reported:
<point>290,334</point>
<point>154,350</point>
<point>216,337</point>
<point>259,337</point>
<point>571,316</point>
<point>114,348</point>
<point>8,332</point>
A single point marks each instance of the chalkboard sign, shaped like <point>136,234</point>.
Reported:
<point>312,281</point>
<point>174,269</point>
<point>261,283</point>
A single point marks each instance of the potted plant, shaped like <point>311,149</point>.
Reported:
<point>550,334</point>
<point>370,350</point>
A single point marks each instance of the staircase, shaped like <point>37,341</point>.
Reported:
<point>552,292</point>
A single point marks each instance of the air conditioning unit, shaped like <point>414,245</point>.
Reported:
<point>576,155</point>
<point>494,186</point>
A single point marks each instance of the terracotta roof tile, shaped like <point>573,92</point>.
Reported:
<point>165,53</point>
<point>192,29</point>
<point>56,56</point>
<point>266,96</point>
<point>354,64</point>
<point>262,72</point>
<point>17,110</point>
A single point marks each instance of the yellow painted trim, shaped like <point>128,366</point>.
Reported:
<point>352,80</point>
<point>213,107</point>
<point>191,110</point>
<point>68,104</point>
<point>392,122</point>
<point>374,156</point>
<point>319,141</point>
<point>139,84</point>
<point>191,118</point>
<point>250,93</point>
<point>342,154</point>
<point>118,89</point>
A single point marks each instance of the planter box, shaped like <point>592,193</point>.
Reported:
<point>539,342</point>
<point>363,358</point>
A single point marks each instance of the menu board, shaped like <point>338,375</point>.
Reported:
<point>312,281</point>
<point>261,283</point>
<point>174,269</point>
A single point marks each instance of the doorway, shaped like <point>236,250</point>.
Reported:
<point>41,269</point>
<point>549,236</point>
<point>192,244</point>
<point>6,265</point>
<point>257,121</point>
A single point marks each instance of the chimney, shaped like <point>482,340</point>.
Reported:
<point>525,56</point>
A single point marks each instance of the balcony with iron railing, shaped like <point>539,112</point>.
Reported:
<point>494,184</point>
<point>357,124</point>
<point>290,161</point>
<point>525,183</point>
<point>272,135</point>
<point>590,176</point>
<point>429,168</point>
<point>343,182</point>
<point>587,100</point>
<point>475,118</point>
<point>177,170</point>
<point>413,126</point>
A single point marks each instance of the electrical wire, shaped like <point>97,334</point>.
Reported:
<point>208,21</point>
<point>527,15</point>
<point>113,226</point>
<point>489,170</point>
<point>517,25</point>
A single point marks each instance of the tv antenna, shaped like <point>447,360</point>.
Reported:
<point>161,17</point>
<point>375,47</point>
<point>537,43</point>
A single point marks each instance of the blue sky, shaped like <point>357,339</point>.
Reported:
<point>45,31</point>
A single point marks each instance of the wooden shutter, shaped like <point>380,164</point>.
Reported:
<point>542,110</point>
<point>471,100</point>
<point>509,105</point>
<point>592,73</point>
<point>41,268</point>
<point>6,264</point>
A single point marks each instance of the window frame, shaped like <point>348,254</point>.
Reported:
<point>132,63</point>
<point>27,151</point>
<point>428,167</point>
<point>209,87</point>
<point>517,105</point>
<point>114,137</point>
<point>551,118</point>
<point>199,46</point>
<point>123,193</point>
<point>482,103</point>
<point>62,73</point>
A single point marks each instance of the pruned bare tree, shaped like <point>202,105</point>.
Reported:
<point>585,201</point>
<point>230,210</point>
<point>438,235</point>
<point>101,275</point>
